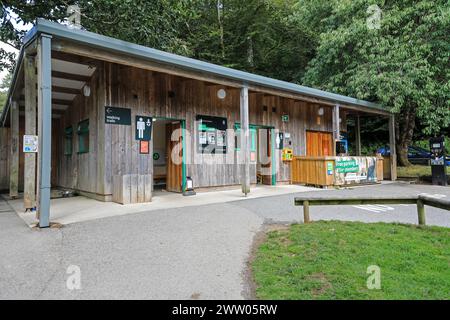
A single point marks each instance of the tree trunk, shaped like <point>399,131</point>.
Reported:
<point>406,122</point>
<point>220,21</point>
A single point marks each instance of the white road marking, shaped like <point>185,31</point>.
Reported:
<point>374,208</point>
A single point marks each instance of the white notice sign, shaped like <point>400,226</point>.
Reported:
<point>30,144</point>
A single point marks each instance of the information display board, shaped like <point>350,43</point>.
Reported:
<point>350,170</point>
<point>211,134</point>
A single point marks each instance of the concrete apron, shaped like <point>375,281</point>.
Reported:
<point>77,209</point>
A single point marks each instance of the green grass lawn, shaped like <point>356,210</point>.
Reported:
<point>413,171</point>
<point>329,260</point>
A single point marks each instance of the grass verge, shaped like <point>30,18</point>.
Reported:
<point>329,260</point>
<point>413,171</point>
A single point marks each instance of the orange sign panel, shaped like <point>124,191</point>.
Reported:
<point>144,147</point>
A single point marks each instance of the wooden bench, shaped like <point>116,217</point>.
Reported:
<point>419,200</point>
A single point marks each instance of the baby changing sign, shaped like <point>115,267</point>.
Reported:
<point>143,128</point>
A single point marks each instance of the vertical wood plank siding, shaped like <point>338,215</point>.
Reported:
<point>115,152</point>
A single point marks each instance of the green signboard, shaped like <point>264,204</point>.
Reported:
<point>346,166</point>
<point>285,118</point>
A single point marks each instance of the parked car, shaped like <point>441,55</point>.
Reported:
<point>416,155</point>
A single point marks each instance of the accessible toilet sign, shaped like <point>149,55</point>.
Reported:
<point>143,128</point>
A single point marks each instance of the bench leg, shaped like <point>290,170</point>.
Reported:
<point>306,212</point>
<point>421,212</point>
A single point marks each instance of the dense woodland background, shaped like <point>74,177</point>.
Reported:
<point>402,63</point>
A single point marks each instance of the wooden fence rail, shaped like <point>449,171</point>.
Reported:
<point>419,200</point>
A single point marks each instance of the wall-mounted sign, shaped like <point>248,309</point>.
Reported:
<point>144,147</point>
<point>355,170</point>
<point>143,128</point>
<point>285,118</point>
<point>212,136</point>
<point>346,165</point>
<point>30,144</point>
<point>279,140</point>
<point>120,116</point>
<point>329,168</point>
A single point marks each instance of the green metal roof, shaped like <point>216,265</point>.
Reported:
<point>95,40</point>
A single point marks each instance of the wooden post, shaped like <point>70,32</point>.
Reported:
<point>336,127</point>
<point>358,136</point>
<point>393,157</point>
<point>245,154</point>
<point>14,156</point>
<point>30,129</point>
<point>421,212</point>
<point>306,218</point>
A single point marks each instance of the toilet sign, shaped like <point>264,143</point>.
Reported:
<point>143,128</point>
<point>30,144</point>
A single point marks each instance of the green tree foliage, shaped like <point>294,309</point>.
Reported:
<point>403,64</point>
<point>256,36</point>
<point>321,43</point>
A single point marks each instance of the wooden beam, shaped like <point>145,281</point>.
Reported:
<point>66,90</point>
<point>61,101</point>
<point>298,97</point>
<point>30,129</point>
<point>245,135</point>
<point>54,101</point>
<point>70,76</point>
<point>393,152</point>
<point>58,55</point>
<point>336,127</point>
<point>358,135</point>
<point>334,201</point>
<point>74,48</point>
<point>14,152</point>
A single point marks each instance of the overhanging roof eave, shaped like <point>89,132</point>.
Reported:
<point>107,43</point>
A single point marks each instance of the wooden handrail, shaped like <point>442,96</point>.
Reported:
<point>419,200</point>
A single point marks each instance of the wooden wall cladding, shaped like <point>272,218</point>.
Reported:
<point>4,157</point>
<point>114,151</point>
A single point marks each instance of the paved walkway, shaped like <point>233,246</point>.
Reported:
<point>178,253</point>
<point>80,209</point>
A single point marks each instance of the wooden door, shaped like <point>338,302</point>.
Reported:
<point>266,143</point>
<point>174,146</point>
<point>319,144</point>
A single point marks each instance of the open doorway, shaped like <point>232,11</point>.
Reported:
<point>168,173</point>
<point>264,155</point>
